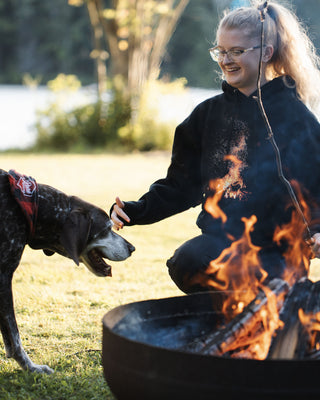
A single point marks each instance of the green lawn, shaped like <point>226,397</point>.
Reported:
<point>59,306</point>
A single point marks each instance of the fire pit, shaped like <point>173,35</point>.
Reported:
<point>142,360</point>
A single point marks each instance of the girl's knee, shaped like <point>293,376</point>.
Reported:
<point>189,260</point>
<point>189,263</point>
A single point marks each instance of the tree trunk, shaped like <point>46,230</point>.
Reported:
<point>99,54</point>
<point>147,39</point>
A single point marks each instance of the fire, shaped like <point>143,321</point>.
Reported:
<point>231,185</point>
<point>237,270</point>
<point>239,274</point>
<point>311,323</point>
<point>298,254</point>
<point>254,340</point>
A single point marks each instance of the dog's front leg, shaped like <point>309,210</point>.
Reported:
<point>11,337</point>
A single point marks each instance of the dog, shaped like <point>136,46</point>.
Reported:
<point>48,219</point>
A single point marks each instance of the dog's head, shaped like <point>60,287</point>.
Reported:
<point>87,237</point>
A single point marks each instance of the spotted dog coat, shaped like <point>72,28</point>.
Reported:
<point>66,225</point>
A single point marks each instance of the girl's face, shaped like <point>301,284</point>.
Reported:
<point>241,72</point>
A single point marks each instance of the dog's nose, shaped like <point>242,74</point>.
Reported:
<point>131,248</point>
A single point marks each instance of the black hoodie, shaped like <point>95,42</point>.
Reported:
<point>231,123</point>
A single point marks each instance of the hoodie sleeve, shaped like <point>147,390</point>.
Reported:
<point>182,187</point>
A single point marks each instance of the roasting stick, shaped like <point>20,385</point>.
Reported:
<point>271,135</point>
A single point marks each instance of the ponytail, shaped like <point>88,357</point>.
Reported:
<point>295,56</point>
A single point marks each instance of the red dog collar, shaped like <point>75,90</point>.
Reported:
<point>25,191</point>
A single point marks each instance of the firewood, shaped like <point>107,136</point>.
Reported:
<point>290,341</point>
<point>314,355</point>
<point>211,343</point>
<point>305,348</point>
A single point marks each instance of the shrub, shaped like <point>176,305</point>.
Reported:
<point>104,124</point>
<point>147,131</point>
<point>86,127</point>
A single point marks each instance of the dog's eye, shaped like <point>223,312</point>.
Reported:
<point>103,232</point>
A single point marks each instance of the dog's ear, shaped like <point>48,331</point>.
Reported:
<point>75,233</point>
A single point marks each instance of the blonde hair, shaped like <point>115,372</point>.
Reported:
<point>294,53</point>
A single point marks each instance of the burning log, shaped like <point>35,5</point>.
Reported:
<point>294,334</point>
<point>293,340</point>
<point>243,325</point>
<point>285,342</point>
<point>314,355</point>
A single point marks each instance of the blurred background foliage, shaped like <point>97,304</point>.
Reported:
<point>123,47</point>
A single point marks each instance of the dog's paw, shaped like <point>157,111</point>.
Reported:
<point>40,369</point>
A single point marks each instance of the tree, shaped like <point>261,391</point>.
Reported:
<point>136,33</point>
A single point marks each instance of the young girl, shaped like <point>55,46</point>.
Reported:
<point>231,125</point>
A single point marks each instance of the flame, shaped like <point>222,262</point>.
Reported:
<point>238,269</point>
<point>211,205</point>
<point>233,184</point>
<point>297,254</point>
<point>255,339</point>
<point>311,323</point>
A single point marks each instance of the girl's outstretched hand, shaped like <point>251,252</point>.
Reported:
<point>117,212</point>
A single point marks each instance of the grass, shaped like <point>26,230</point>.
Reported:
<point>59,306</point>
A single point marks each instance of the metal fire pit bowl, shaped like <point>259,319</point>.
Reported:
<point>141,359</point>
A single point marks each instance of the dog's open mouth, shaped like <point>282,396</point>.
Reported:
<point>95,262</point>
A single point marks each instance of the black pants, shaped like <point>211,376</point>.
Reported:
<point>193,257</point>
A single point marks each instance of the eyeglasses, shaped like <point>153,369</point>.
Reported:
<point>233,54</point>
